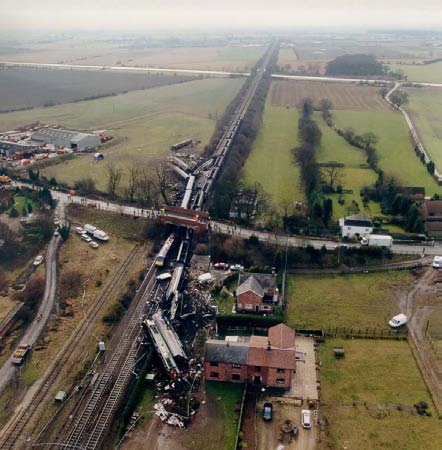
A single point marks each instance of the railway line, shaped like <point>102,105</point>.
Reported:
<point>14,432</point>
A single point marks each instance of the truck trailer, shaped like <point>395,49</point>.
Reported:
<point>20,354</point>
<point>377,240</point>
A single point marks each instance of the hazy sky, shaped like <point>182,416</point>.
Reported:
<point>203,14</point>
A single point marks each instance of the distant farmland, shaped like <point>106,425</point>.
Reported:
<point>343,95</point>
<point>24,88</point>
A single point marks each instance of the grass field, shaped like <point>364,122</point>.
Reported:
<point>356,301</point>
<point>144,123</point>
<point>228,58</point>
<point>431,73</point>
<point>287,57</point>
<point>342,95</point>
<point>376,372</point>
<point>271,162</point>
<point>26,87</point>
<point>425,108</point>
<point>354,177</point>
<point>396,154</point>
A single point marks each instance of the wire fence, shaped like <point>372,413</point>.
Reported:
<point>365,333</point>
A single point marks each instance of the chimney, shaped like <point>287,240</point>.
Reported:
<point>227,343</point>
<point>269,347</point>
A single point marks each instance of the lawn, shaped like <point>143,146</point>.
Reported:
<point>376,372</point>
<point>431,73</point>
<point>396,154</point>
<point>358,301</point>
<point>144,124</point>
<point>354,175</point>
<point>271,161</point>
<point>21,202</point>
<point>425,108</point>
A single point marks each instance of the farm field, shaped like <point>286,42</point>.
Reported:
<point>396,154</point>
<point>287,57</point>
<point>342,95</point>
<point>271,162</point>
<point>430,73</point>
<point>227,58</point>
<point>23,87</point>
<point>144,124</point>
<point>425,108</point>
<point>357,301</point>
<point>384,375</point>
<point>354,175</point>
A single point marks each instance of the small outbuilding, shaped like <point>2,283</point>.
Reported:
<point>61,396</point>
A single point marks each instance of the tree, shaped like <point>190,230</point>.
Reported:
<point>114,175</point>
<point>30,209</point>
<point>85,186</point>
<point>431,167</point>
<point>132,182</point>
<point>328,210</point>
<point>162,180</point>
<point>146,191</point>
<point>399,97</point>
<point>64,231</point>
<point>369,139</point>
<point>333,172</point>
<point>307,107</point>
<point>325,104</point>
<point>13,212</point>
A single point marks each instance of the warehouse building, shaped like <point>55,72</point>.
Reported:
<point>69,139</point>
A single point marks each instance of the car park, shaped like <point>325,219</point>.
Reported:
<point>267,412</point>
<point>306,418</point>
<point>93,244</point>
<point>86,238</point>
<point>38,260</point>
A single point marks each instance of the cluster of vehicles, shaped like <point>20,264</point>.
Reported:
<point>306,417</point>
<point>90,230</point>
<point>225,266</point>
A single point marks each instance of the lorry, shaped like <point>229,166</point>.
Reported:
<point>20,354</point>
<point>88,228</point>
<point>377,240</point>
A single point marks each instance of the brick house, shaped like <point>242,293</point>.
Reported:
<point>431,215</point>
<point>260,360</point>
<point>256,293</point>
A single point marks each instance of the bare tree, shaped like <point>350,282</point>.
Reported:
<point>114,175</point>
<point>162,180</point>
<point>132,182</point>
<point>146,189</point>
<point>333,173</point>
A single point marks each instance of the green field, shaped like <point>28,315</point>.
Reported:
<point>376,372</point>
<point>144,123</point>
<point>356,301</point>
<point>396,154</point>
<point>425,108</point>
<point>354,177</point>
<point>271,161</point>
<point>431,73</point>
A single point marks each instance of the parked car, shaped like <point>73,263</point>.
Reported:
<point>267,412</point>
<point>38,260</point>
<point>86,238</point>
<point>221,266</point>
<point>93,244</point>
<point>56,221</point>
<point>236,268</point>
<point>398,321</point>
<point>79,230</point>
<point>56,233</point>
<point>306,418</point>
<point>437,262</point>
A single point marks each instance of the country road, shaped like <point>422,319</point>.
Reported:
<point>34,330</point>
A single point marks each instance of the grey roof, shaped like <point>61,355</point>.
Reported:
<point>266,280</point>
<point>80,136</point>
<point>358,220</point>
<point>250,284</point>
<point>228,353</point>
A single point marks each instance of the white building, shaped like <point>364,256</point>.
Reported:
<point>65,138</point>
<point>358,225</point>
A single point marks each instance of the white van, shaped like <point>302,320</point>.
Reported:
<point>437,262</point>
<point>398,321</point>
<point>306,418</point>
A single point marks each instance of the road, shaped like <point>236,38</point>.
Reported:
<point>264,236</point>
<point>124,69</point>
<point>34,330</point>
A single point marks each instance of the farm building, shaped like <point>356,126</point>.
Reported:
<point>261,360</point>
<point>358,225</point>
<point>64,138</point>
<point>9,149</point>
<point>256,292</point>
<point>431,215</point>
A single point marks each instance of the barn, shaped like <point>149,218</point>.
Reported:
<point>64,138</point>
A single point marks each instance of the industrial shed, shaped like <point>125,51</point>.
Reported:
<point>65,138</point>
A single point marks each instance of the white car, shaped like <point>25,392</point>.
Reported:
<point>79,230</point>
<point>38,260</point>
<point>398,321</point>
<point>56,233</point>
<point>437,262</point>
<point>236,268</point>
<point>93,244</point>
<point>306,418</point>
<point>86,238</point>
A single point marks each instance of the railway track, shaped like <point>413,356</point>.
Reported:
<point>15,430</point>
<point>119,367</point>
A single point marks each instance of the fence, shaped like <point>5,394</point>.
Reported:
<point>367,333</point>
<point>241,415</point>
<point>435,344</point>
